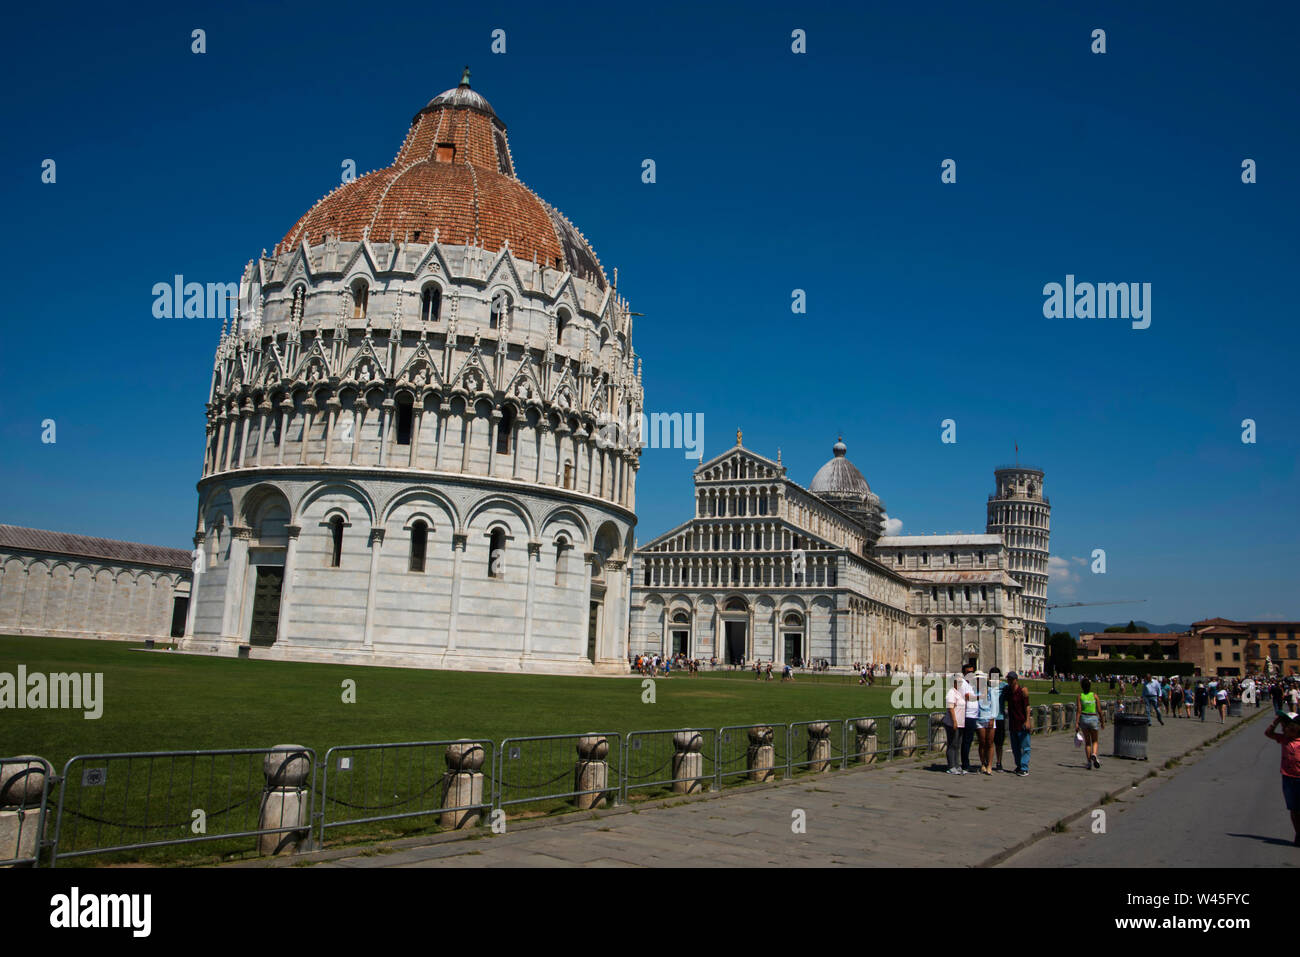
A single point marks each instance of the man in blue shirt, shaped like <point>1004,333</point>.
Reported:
<point>1151,694</point>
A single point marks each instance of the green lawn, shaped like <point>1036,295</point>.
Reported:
<point>160,701</point>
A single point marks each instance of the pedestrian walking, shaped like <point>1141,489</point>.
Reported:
<point>1018,722</point>
<point>1090,723</point>
<point>1289,738</point>
<point>1221,704</point>
<point>1151,695</point>
<point>954,720</point>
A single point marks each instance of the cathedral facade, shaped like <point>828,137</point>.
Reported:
<point>767,570</point>
<point>407,456</point>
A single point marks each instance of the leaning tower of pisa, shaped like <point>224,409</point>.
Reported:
<point>1021,514</point>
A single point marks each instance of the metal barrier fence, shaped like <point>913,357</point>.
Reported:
<point>24,797</point>
<point>757,752</point>
<point>364,783</point>
<point>822,746</point>
<point>139,800</point>
<point>529,770</point>
<point>134,801</point>
<point>677,759</point>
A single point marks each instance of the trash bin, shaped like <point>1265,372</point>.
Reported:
<point>1131,736</point>
<point>1234,708</point>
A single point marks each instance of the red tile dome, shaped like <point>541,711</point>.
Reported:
<point>453,178</point>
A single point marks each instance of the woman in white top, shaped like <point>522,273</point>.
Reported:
<point>954,720</point>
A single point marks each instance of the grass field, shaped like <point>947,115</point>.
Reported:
<point>161,701</point>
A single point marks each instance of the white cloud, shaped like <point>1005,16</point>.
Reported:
<point>1059,569</point>
<point>893,526</point>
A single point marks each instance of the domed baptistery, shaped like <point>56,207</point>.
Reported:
<point>415,441</point>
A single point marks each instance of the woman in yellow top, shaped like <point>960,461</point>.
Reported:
<point>1090,721</point>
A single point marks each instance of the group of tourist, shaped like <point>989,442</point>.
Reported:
<point>987,716</point>
<point>653,665</point>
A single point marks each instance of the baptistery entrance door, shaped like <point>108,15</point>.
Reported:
<point>735,642</point>
<point>792,639</point>
<point>266,604</point>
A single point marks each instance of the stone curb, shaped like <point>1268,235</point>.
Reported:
<point>1009,852</point>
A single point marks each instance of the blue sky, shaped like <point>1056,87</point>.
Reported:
<point>775,171</point>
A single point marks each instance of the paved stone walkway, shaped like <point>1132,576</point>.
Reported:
<point>904,814</point>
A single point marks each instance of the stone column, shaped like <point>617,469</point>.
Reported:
<point>332,409</point>
<point>591,774</point>
<point>359,408</point>
<point>286,592</point>
<point>458,540</point>
<point>819,746</point>
<point>760,757</point>
<point>21,782</point>
<point>376,545</point>
<point>865,741</point>
<point>905,735</point>
<point>417,421</point>
<point>195,575</point>
<point>688,762</point>
<point>534,559</point>
<point>286,411</point>
<point>286,802</point>
<point>309,409</point>
<point>236,576</point>
<point>385,427</point>
<point>263,412</point>
<point>462,785</point>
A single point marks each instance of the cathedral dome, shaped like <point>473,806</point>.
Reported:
<point>839,476</point>
<point>453,179</point>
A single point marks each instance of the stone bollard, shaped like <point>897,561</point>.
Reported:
<point>286,802</point>
<point>591,774</point>
<point>1040,719</point>
<point>1058,716</point>
<point>688,762</point>
<point>760,757</point>
<point>1069,716</point>
<point>938,743</point>
<point>21,782</point>
<point>905,735</point>
<point>864,741</point>
<point>819,746</point>
<point>462,785</point>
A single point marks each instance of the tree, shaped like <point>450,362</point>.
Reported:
<point>1130,629</point>
<point>1133,651</point>
<point>1155,652</point>
<point>1060,650</point>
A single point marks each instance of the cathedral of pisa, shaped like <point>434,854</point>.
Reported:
<point>767,570</point>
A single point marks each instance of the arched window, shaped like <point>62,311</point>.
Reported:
<point>336,545</point>
<point>405,419</point>
<point>419,546</point>
<point>568,475</point>
<point>561,321</point>
<point>360,298</point>
<point>1290,651</point>
<point>938,632</point>
<point>793,619</point>
<point>505,429</point>
<point>497,554</point>
<point>500,311</point>
<point>431,303</point>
